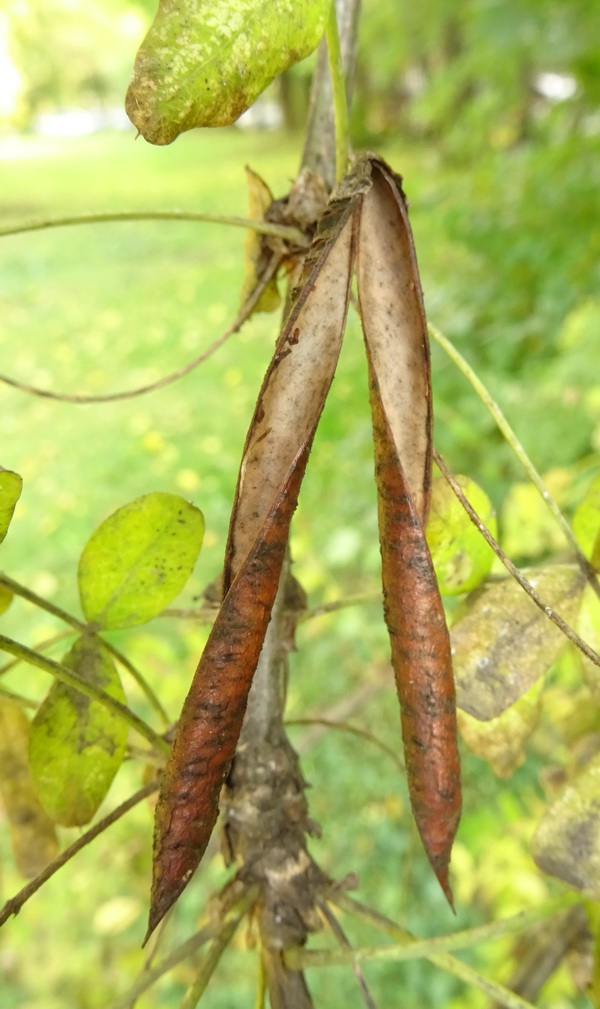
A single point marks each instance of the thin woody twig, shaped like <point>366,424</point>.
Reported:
<point>174,376</point>
<point>211,959</point>
<point>350,729</point>
<point>340,101</point>
<point>344,942</point>
<point>207,614</point>
<point>151,952</point>
<point>24,702</point>
<point>286,232</point>
<point>514,571</point>
<point>340,604</point>
<point>319,145</point>
<point>41,647</point>
<point>149,977</point>
<point>519,451</point>
<point>72,679</point>
<point>14,905</point>
<point>82,628</point>
<point>203,614</point>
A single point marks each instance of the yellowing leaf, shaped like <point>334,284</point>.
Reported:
<point>500,740</point>
<point>504,642</point>
<point>204,62</point>
<point>528,528</point>
<point>11,485</point>
<point>77,745</point>
<point>567,841</point>
<point>259,201</point>
<point>139,559</point>
<point>461,557</point>
<point>32,833</point>
<point>586,520</point>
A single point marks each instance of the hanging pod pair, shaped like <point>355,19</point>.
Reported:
<point>365,227</point>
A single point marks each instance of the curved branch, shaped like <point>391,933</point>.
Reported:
<point>322,609</point>
<point>71,679</point>
<point>434,950</point>
<point>340,101</point>
<point>345,943</point>
<point>518,449</point>
<point>286,232</point>
<point>14,905</point>
<point>111,397</point>
<point>43,646</point>
<point>352,730</point>
<point>82,628</point>
<point>213,929</point>
<point>526,585</point>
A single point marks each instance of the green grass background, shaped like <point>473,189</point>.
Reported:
<point>108,307</point>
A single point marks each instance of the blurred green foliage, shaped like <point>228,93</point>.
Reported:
<point>71,55</point>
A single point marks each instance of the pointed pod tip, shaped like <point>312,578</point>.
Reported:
<point>154,919</point>
<point>159,906</point>
<point>440,866</point>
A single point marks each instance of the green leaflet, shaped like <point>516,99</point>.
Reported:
<point>11,485</point>
<point>503,643</point>
<point>529,529</point>
<point>203,62</point>
<point>76,745</point>
<point>138,560</point>
<point>567,841</point>
<point>32,833</point>
<point>461,557</point>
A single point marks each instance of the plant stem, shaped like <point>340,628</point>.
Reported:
<point>71,679</point>
<point>517,448</point>
<point>351,730</point>
<point>339,604</point>
<point>503,996</point>
<point>319,145</point>
<point>180,953</point>
<point>174,376</point>
<point>24,702</point>
<point>186,949</point>
<point>209,964</point>
<point>79,625</point>
<point>340,101</point>
<point>409,948</point>
<point>262,227</point>
<point>261,984</point>
<point>344,942</point>
<point>526,585</point>
<point>14,905</point>
<point>42,647</point>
